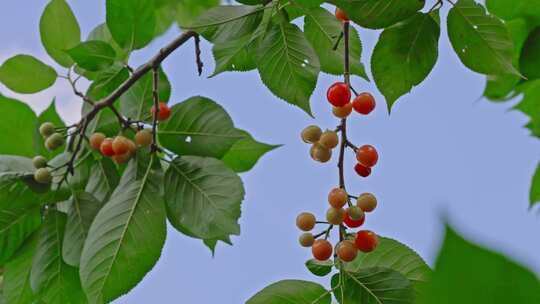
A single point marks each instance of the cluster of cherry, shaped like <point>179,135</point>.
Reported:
<point>352,217</point>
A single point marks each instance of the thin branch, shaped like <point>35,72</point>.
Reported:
<point>155,95</point>
<point>198,60</point>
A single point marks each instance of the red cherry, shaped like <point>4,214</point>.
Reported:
<point>362,170</point>
<point>364,103</point>
<point>322,250</point>
<point>106,147</point>
<point>341,15</point>
<point>366,241</point>
<point>339,94</point>
<point>352,223</point>
<point>164,111</point>
<point>367,155</point>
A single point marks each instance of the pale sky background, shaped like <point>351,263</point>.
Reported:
<point>444,150</point>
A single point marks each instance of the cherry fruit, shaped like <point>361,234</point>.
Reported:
<point>106,147</point>
<point>96,139</point>
<point>339,94</point>
<point>347,251</point>
<point>143,138</point>
<point>306,239</point>
<point>305,221</point>
<point>311,134</point>
<point>367,202</point>
<point>43,176</point>
<point>343,112</point>
<point>366,241</point>
<point>364,103</point>
<point>362,170</point>
<point>367,155</point>
<point>341,15</point>
<point>322,250</point>
<point>352,223</point>
<point>164,111</point>
<point>337,198</point>
<point>39,162</point>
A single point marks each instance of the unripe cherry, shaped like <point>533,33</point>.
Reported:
<point>366,241</point>
<point>337,198</point>
<point>367,155</point>
<point>339,94</point>
<point>367,202</point>
<point>349,222</point>
<point>362,170</point>
<point>355,213</point>
<point>306,239</point>
<point>364,103</point>
<point>343,112</point>
<point>96,139</point>
<point>143,138</point>
<point>39,162</point>
<point>46,129</point>
<point>320,153</point>
<point>305,221</point>
<point>55,141</point>
<point>347,251</point>
<point>335,216</point>
<point>322,250</point>
<point>122,158</point>
<point>329,139</point>
<point>311,134</point>
<point>43,176</point>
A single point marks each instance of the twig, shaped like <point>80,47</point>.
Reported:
<point>198,60</point>
<point>155,95</point>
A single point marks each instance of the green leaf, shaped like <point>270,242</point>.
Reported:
<point>529,62</point>
<point>292,292</point>
<point>51,279</point>
<point>468,274</point>
<point>530,104</point>
<point>16,224</point>
<point>212,243</point>
<point>103,179</point>
<point>102,33</point>
<point>198,126</point>
<point>203,197</point>
<point>17,127</point>
<point>93,55</point>
<point>481,41</point>
<point>244,154</point>
<point>378,14</point>
<point>534,194</point>
<point>319,268</point>
<point>233,55</point>
<point>323,30</point>
<point>105,83</point>
<point>83,208</point>
<point>227,22</point>
<point>131,22</point>
<point>509,10</point>
<point>26,74</point>
<point>396,256</point>
<point>127,233</point>
<point>377,285</point>
<point>17,288</point>
<point>405,55</point>
<point>288,65</point>
<point>188,10</point>
<point>59,31</point>
<point>49,115</point>
<point>138,100</point>
<point>501,87</point>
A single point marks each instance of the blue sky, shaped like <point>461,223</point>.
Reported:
<point>444,150</point>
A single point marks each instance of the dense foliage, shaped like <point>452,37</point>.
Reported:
<point>73,221</point>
